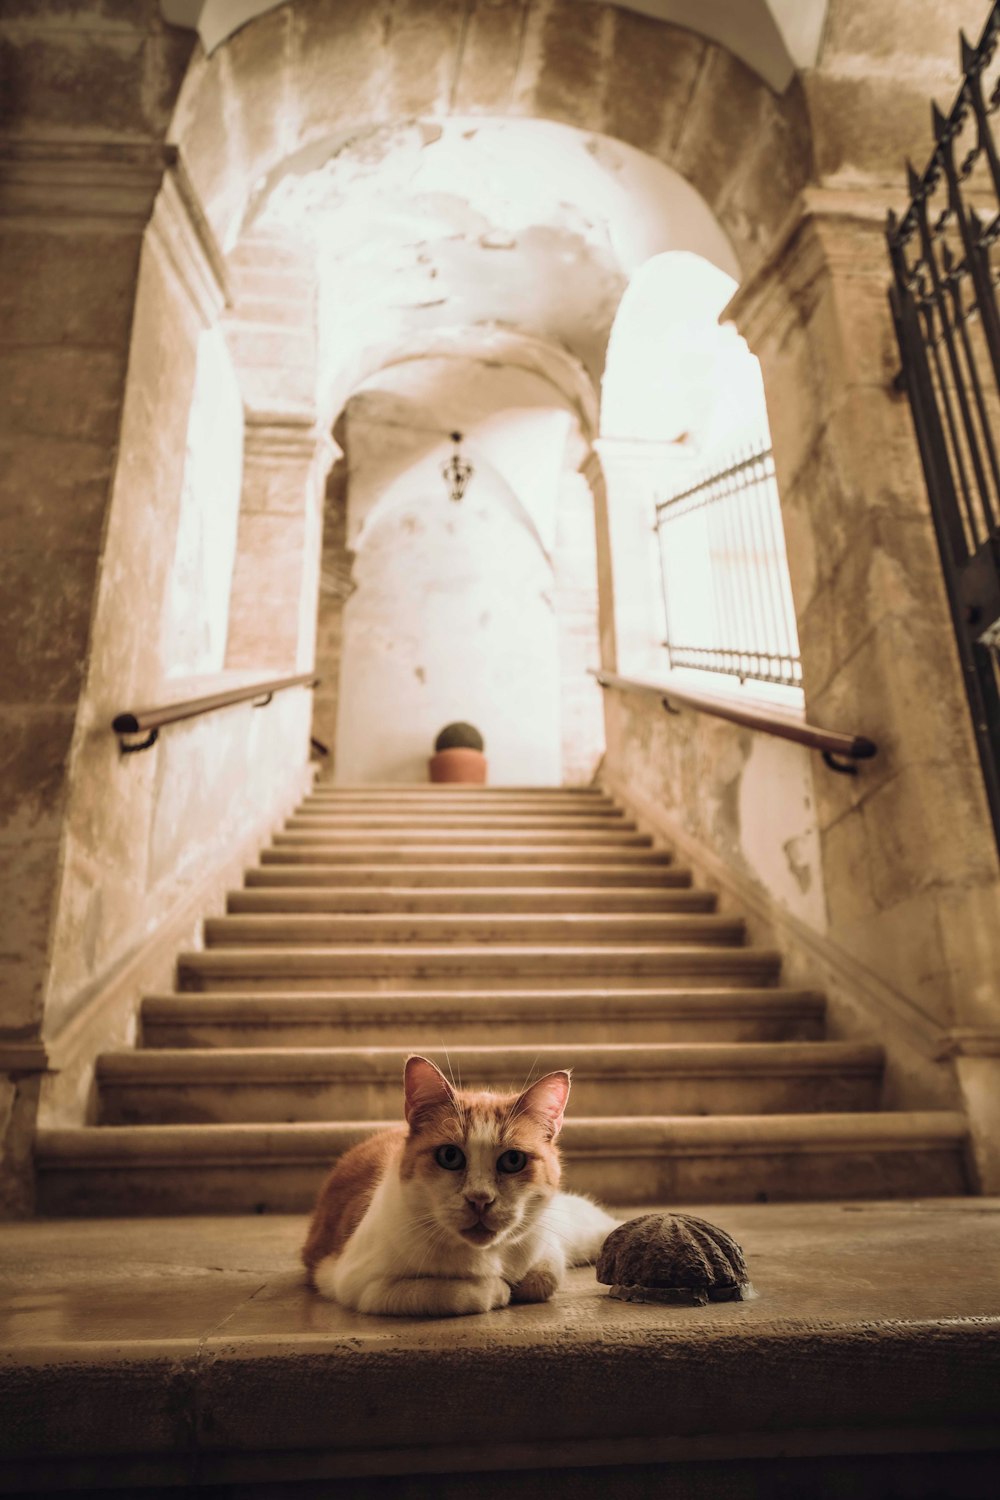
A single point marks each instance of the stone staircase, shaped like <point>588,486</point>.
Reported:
<point>503,932</point>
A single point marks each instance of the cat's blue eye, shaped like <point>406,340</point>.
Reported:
<point>452,1158</point>
<point>512,1161</point>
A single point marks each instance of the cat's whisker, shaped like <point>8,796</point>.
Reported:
<point>447,1062</point>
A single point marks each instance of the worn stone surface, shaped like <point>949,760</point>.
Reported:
<point>490,56</point>
<point>76,74</point>
<point>869,93</point>
<point>138,832</point>
<point>748,799</point>
<point>224,1354</point>
<point>90,90</point>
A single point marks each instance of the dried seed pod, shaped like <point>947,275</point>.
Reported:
<point>673,1258</point>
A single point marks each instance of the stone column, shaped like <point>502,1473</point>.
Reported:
<point>271,334</point>
<point>272,609</point>
<point>574,561</point>
<point>336,587</point>
<point>593,473</point>
<point>910,866</point>
<point>71,231</point>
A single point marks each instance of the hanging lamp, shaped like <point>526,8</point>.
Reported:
<point>456,472</point>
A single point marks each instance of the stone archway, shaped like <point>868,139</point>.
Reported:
<point>309,74</point>
<point>774,37</point>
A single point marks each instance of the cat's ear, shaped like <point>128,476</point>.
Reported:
<point>424,1088</point>
<point>545,1101</point>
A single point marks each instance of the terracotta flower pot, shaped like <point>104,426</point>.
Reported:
<point>458,765</point>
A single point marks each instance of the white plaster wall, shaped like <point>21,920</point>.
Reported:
<point>471,611</point>
<point>196,603</point>
<point>452,618</point>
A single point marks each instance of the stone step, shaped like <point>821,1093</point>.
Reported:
<point>295,868</point>
<point>185,1354</point>
<point>310,821</point>
<point>317,929</point>
<point>414,964</point>
<point>584,814</point>
<point>401,834</point>
<point>303,849</point>
<point>469,1017</point>
<point>444,802</point>
<point>171,1169</point>
<point>533,900</point>
<point>592,809</point>
<point>237,1086</point>
<point>381,791</point>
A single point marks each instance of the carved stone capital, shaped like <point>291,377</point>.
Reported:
<point>80,185</point>
<point>841,234</point>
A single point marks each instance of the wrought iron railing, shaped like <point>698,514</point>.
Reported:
<point>944,254</point>
<point>726,590</point>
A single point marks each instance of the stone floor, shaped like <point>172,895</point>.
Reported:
<point>168,1352</point>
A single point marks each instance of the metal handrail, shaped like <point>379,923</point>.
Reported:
<point>829,742</point>
<point>151,720</point>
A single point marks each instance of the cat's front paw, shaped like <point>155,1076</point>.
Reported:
<point>537,1284</point>
<point>481,1296</point>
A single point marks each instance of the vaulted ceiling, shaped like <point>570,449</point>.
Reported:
<point>438,235</point>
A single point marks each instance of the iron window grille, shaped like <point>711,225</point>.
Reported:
<point>726,590</point>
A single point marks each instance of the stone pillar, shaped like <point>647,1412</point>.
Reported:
<point>272,608</point>
<point>271,334</point>
<point>574,562</point>
<point>910,866</point>
<point>70,237</point>
<point>594,474</point>
<point>336,587</point>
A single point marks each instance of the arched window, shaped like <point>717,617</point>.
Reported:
<point>684,421</point>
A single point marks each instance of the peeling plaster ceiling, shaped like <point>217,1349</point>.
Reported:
<point>774,37</point>
<point>517,226</point>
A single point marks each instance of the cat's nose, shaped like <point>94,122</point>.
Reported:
<point>480,1201</point>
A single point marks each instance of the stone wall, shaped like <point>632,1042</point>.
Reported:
<point>742,809</point>
<point>148,840</point>
<point>85,106</point>
<point>581,713</point>
<point>910,863</point>
<point>108,517</point>
<point>906,939</point>
<point>139,829</point>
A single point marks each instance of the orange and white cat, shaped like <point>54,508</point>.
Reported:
<point>456,1212</point>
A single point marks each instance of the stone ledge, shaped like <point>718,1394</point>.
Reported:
<point>874,1331</point>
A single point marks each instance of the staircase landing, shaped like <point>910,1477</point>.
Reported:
<point>175,1352</point>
